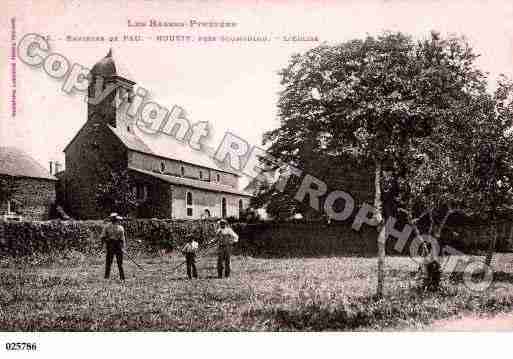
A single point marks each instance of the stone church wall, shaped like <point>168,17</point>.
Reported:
<point>172,167</point>
<point>91,156</point>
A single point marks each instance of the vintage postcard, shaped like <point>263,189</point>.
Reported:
<point>255,166</point>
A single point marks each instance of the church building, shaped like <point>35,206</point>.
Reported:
<point>175,182</point>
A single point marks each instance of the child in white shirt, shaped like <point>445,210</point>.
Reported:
<point>189,251</point>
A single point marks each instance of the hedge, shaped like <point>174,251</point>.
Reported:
<point>26,238</point>
<point>281,239</point>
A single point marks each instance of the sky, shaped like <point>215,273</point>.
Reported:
<point>233,86</point>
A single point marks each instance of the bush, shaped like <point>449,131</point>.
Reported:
<point>28,238</point>
<point>280,239</point>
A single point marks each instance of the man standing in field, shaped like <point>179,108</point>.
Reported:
<point>113,235</point>
<point>225,238</point>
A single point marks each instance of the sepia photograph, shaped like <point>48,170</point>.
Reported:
<point>253,166</point>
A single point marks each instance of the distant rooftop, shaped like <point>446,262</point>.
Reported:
<point>17,163</point>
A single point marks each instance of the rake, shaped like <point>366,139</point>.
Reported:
<point>132,260</point>
<point>202,252</point>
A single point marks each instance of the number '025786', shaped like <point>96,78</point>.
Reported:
<point>20,346</point>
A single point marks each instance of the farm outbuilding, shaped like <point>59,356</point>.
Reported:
<point>27,189</point>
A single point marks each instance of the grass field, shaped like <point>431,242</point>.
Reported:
<point>262,294</point>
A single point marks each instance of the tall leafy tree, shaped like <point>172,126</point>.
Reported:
<point>496,164</point>
<point>464,166</point>
<point>374,100</point>
<point>114,193</point>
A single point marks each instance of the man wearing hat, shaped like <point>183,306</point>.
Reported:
<point>225,237</point>
<point>113,235</point>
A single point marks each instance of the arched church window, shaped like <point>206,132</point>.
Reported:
<point>188,204</point>
<point>223,207</point>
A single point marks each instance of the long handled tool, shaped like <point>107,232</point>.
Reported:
<point>178,266</point>
<point>132,260</point>
<point>203,250</point>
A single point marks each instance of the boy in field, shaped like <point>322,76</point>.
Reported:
<point>189,251</point>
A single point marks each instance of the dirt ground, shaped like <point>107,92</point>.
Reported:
<point>473,323</point>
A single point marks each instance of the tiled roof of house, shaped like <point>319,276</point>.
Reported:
<point>15,162</point>
<point>189,182</point>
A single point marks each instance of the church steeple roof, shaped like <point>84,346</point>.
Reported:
<point>108,67</point>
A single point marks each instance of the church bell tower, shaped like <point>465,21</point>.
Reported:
<point>110,92</point>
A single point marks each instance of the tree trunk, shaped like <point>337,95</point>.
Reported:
<point>3,241</point>
<point>438,232</point>
<point>493,241</point>
<point>378,206</point>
